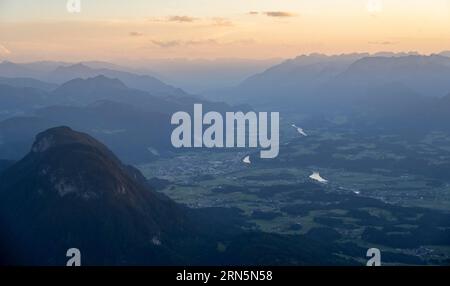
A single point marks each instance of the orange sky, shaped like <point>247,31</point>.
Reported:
<point>119,30</point>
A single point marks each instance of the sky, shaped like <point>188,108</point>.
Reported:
<point>115,30</point>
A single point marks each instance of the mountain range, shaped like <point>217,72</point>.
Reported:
<point>388,91</point>
<point>133,123</point>
<point>58,73</point>
<point>318,81</point>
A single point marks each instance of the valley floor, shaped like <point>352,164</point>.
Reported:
<point>374,197</point>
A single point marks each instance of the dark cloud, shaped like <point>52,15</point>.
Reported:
<point>279,14</point>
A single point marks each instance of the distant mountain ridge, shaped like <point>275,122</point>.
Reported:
<point>319,80</point>
<point>426,75</point>
<point>142,82</point>
<point>58,73</point>
<point>27,82</point>
<point>19,100</point>
<point>100,106</point>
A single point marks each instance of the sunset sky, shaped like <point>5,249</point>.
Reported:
<point>116,30</point>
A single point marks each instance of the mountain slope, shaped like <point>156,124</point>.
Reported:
<point>71,191</point>
<point>5,164</point>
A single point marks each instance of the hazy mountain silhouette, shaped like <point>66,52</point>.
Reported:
<point>317,81</point>
<point>19,100</point>
<point>59,72</point>
<point>292,80</point>
<point>10,69</point>
<point>133,123</point>
<point>445,53</point>
<point>142,82</point>
<point>425,75</point>
<point>87,91</point>
<point>200,75</point>
<point>27,82</point>
<point>17,135</point>
<point>82,91</point>
<point>134,135</point>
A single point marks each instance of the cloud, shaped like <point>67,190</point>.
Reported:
<point>4,51</point>
<point>216,21</point>
<point>201,42</point>
<point>385,43</point>
<point>181,19</point>
<point>253,13</point>
<point>279,14</point>
<point>178,43</point>
<point>244,42</point>
<point>223,22</point>
<point>135,34</point>
<point>166,44</point>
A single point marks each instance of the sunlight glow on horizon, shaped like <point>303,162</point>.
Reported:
<point>119,30</point>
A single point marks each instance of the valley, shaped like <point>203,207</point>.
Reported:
<point>374,195</point>
<point>359,166</point>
